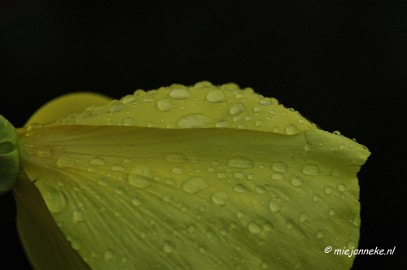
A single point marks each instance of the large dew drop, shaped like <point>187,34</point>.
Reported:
<point>215,96</point>
<point>193,120</point>
<point>194,184</point>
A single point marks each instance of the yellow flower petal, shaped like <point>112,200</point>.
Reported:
<point>45,244</point>
<point>199,177</point>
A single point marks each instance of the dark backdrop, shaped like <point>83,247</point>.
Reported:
<point>342,64</point>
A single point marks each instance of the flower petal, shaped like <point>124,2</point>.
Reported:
<point>225,179</point>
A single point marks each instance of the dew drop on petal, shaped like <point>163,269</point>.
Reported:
<point>65,162</point>
<point>240,162</point>
<point>193,120</point>
<point>164,105</point>
<point>310,169</point>
<point>277,176</point>
<point>341,187</point>
<point>290,129</point>
<point>194,184</point>
<point>220,198</point>
<point>296,181</point>
<point>179,92</point>
<point>215,96</point>
<point>140,176</point>
<point>328,190</point>
<point>237,109</point>
<point>109,255</point>
<point>168,247</point>
<point>274,207</point>
<point>97,161</point>
<point>254,227</point>
<point>279,167</point>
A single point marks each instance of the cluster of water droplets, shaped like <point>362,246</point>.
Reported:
<point>197,106</point>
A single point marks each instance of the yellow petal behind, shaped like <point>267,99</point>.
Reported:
<point>45,244</point>
<point>270,190</point>
<point>65,105</point>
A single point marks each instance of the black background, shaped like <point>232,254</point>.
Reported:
<point>342,64</point>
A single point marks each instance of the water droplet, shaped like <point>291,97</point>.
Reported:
<point>237,109</point>
<point>336,132</point>
<point>215,96</point>
<point>194,185</point>
<point>168,247</point>
<point>310,169</point>
<point>77,216</point>
<point>140,176</point>
<point>135,202</point>
<point>203,84</point>
<point>97,161</point>
<point>277,176</point>
<point>341,187</point>
<point>223,232</point>
<point>303,217</point>
<point>356,221</point>
<point>109,255</point>
<point>328,190</point>
<point>256,109</point>
<point>127,99</point>
<point>76,244</point>
<point>116,106</point>
<point>351,244</point>
<point>316,198</point>
<point>176,158</point>
<point>179,91</point>
<point>260,189</point>
<point>34,126</point>
<point>274,207</point>
<point>119,191</point>
<point>167,198</point>
<point>239,188</point>
<point>265,101</point>
<point>222,124</point>
<point>221,175</point>
<point>220,198</point>
<point>320,234</point>
<point>118,168</point>
<point>239,175</point>
<point>291,129</point>
<point>65,162</point>
<point>177,170</point>
<point>193,120</point>
<point>44,152</point>
<point>54,199</point>
<point>164,105</point>
<point>296,181</point>
<point>254,228</point>
<point>331,212</point>
<point>240,162</point>
<point>280,167</point>
<point>335,173</point>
